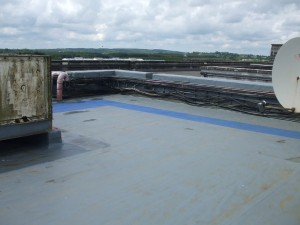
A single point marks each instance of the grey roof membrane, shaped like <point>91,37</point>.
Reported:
<point>135,160</point>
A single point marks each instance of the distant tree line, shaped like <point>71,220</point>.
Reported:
<point>157,54</point>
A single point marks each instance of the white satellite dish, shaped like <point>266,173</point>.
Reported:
<point>286,75</point>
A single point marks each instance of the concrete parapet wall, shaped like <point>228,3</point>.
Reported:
<point>249,85</point>
<point>91,73</point>
<point>133,74</point>
<point>221,82</point>
<point>110,73</point>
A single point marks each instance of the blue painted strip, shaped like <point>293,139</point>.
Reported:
<point>178,115</point>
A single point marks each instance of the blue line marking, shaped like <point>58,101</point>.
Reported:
<point>63,107</point>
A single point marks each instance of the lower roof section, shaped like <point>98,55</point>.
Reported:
<point>135,160</point>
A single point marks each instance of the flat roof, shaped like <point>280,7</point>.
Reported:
<point>134,160</point>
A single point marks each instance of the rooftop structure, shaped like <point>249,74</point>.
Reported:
<point>274,49</point>
<point>25,96</point>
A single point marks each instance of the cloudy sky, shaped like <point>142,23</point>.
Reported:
<point>241,26</point>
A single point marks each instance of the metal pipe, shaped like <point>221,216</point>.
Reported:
<point>62,76</point>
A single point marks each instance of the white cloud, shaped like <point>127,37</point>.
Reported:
<point>191,25</point>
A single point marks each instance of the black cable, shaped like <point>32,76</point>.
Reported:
<point>245,101</point>
<point>242,105</point>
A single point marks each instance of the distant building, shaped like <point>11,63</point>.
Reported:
<point>274,49</point>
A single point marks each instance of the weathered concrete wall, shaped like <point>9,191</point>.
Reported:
<point>24,89</point>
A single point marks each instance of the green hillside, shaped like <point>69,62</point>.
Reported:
<point>146,54</point>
